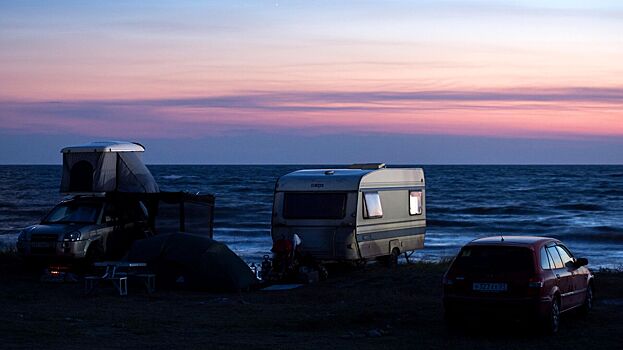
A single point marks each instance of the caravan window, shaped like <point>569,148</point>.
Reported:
<point>372,205</point>
<point>314,205</point>
<point>415,202</point>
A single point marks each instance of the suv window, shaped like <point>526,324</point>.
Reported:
<point>544,259</point>
<point>553,252</point>
<point>564,255</point>
<point>110,213</point>
<point>74,212</point>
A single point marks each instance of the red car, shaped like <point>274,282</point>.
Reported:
<point>517,276</point>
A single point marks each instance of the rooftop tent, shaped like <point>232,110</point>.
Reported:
<point>203,263</point>
<point>109,166</point>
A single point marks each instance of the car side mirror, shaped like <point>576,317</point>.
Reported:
<point>581,262</point>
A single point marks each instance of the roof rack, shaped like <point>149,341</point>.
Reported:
<point>367,166</point>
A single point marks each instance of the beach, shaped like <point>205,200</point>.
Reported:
<point>366,308</point>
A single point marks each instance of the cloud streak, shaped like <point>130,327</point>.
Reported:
<point>275,99</point>
<point>512,112</point>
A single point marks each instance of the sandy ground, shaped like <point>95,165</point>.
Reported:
<point>372,307</point>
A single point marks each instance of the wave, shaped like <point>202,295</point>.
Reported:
<point>608,229</point>
<point>8,241</point>
<point>7,205</point>
<point>612,192</point>
<point>242,189</point>
<point>499,210</point>
<point>580,207</point>
<point>450,223</point>
<point>177,177</point>
<point>599,234</point>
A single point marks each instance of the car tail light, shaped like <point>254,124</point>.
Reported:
<point>534,287</point>
<point>447,281</point>
<point>535,284</point>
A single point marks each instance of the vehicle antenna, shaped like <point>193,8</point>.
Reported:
<point>501,238</point>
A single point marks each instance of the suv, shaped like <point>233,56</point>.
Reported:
<point>85,228</point>
<point>518,276</point>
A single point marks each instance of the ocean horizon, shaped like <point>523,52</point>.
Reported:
<point>580,204</point>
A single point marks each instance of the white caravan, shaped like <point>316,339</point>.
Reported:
<point>354,214</point>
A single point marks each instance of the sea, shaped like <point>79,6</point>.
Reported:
<point>582,205</point>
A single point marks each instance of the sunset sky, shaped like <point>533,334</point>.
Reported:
<point>411,82</point>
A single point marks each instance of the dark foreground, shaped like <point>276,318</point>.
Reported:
<point>368,308</point>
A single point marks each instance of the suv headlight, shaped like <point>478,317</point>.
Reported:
<point>72,236</point>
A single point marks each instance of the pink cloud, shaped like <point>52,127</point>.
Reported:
<point>570,112</point>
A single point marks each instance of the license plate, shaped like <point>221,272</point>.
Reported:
<point>42,244</point>
<point>490,287</point>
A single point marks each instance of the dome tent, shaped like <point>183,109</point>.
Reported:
<point>109,166</point>
<point>202,262</point>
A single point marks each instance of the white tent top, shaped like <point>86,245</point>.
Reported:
<point>105,146</point>
<point>109,166</point>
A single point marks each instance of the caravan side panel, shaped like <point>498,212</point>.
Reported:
<point>398,227</point>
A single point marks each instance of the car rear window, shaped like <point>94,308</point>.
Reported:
<point>495,259</point>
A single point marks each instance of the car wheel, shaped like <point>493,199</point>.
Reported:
<point>552,321</point>
<point>588,300</point>
<point>94,253</point>
<point>451,319</point>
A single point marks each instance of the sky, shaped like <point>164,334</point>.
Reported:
<point>227,82</point>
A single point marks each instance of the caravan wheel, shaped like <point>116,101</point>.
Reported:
<point>393,258</point>
<point>390,260</point>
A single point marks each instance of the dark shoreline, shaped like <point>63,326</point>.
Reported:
<point>372,307</point>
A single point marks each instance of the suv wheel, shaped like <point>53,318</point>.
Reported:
<point>94,253</point>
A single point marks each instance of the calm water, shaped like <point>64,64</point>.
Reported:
<point>582,205</point>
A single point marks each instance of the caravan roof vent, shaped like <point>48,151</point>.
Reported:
<point>367,166</point>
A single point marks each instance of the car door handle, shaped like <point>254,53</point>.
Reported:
<point>557,276</point>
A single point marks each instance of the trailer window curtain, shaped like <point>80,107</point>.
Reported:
<point>415,202</point>
<point>314,205</point>
<point>372,205</point>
